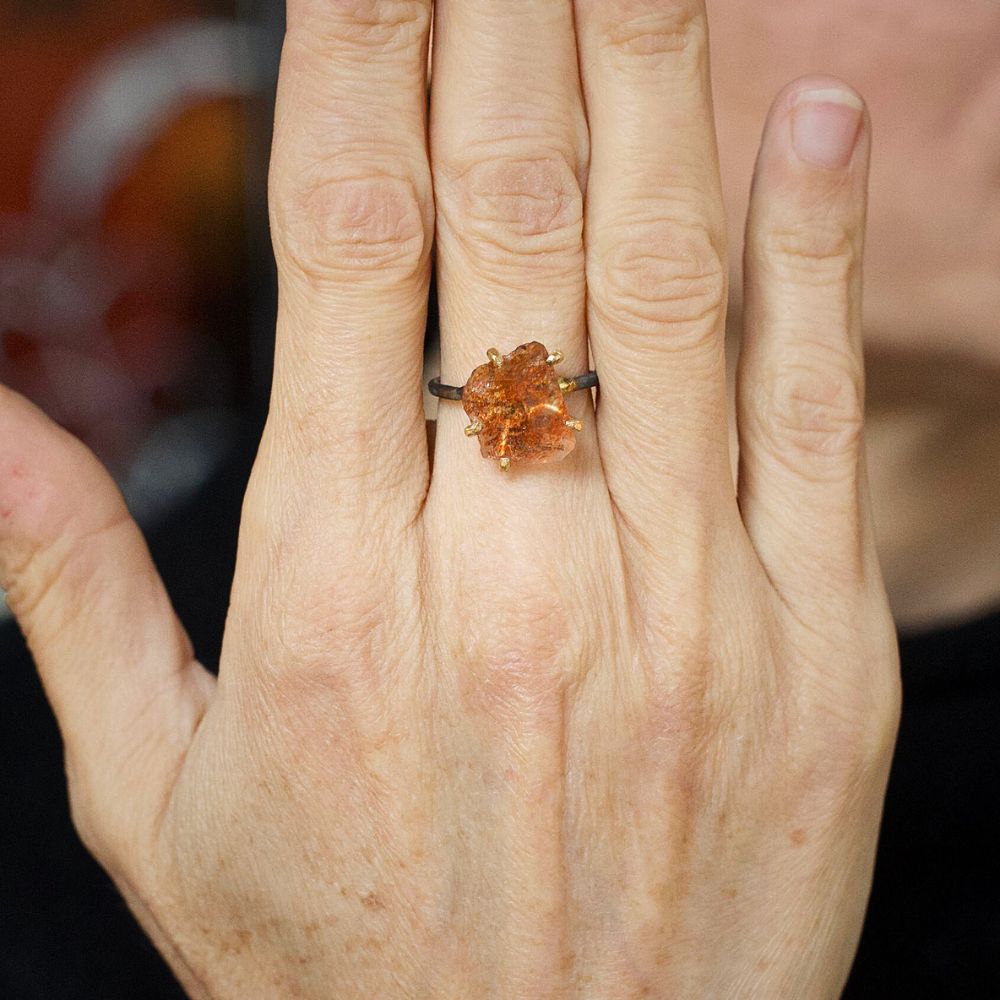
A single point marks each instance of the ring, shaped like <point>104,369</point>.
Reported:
<point>516,405</point>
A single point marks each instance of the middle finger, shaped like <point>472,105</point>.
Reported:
<point>509,159</point>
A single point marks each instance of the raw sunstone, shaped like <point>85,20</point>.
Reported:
<point>520,406</point>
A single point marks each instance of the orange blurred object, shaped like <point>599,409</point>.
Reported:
<point>121,213</point>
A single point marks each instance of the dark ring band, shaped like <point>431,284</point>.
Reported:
<point>586,381</point>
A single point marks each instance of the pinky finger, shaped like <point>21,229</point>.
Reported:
<point>800,383</point>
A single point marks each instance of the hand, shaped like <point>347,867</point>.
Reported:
<point>603,728</point>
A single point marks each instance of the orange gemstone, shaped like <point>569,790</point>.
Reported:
<point>520,406</point>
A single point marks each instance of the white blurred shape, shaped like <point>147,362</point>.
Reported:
<point>127,99</point>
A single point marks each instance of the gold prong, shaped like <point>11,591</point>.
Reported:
<point>474,428</point>
<point>496,358</point>
<point>554,358</point>
<point>577,425</point>
<point>505,463</point>
<point>567,385</point>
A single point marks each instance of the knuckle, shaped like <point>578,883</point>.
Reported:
<point>51,544</point>
<point>854,740</point>
<point>658,277</point>
<point>329,228</point>
<point>816,412</point>
<point>883,729</point>
<point>61,577</point>
<point>105,841</point>
<point>885,708</point>
<point>881,708</point>
<point>369,25</point>
<point>351,617</point>
<point>850,702</point>
<point>650,29</point>
<point>332,635</point>
<point>508,207</point>
<point>519,658</point>
<point>812,253</point>
<point>86,823</point>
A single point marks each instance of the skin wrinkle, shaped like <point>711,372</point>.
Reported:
<point>515,215</point>
<point>367,226</point>
<point>532,197</point>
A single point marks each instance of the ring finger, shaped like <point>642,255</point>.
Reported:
<point>656,269</point>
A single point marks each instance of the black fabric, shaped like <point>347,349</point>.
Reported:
<point>933,928</point>
<point>933,925</point>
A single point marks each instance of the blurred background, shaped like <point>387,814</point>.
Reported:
<point>130,206</point>
<point>137,308</point>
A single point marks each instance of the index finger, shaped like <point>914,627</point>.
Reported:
<point>352,222</point>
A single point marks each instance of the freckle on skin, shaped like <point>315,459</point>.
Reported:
<point>239,942</point>
<point>372,901</point>
<point>797,836</point>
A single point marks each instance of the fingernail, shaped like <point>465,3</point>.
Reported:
<point>825,125</point>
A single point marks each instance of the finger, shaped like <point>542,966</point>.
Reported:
<point>343,459</point>
<point>115,662</point>
<point>352,219</point>
<point>800,382</point>
<point>656,270</point>
<point>509,152</point>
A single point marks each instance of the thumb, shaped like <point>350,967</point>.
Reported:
<point>113,658</point>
